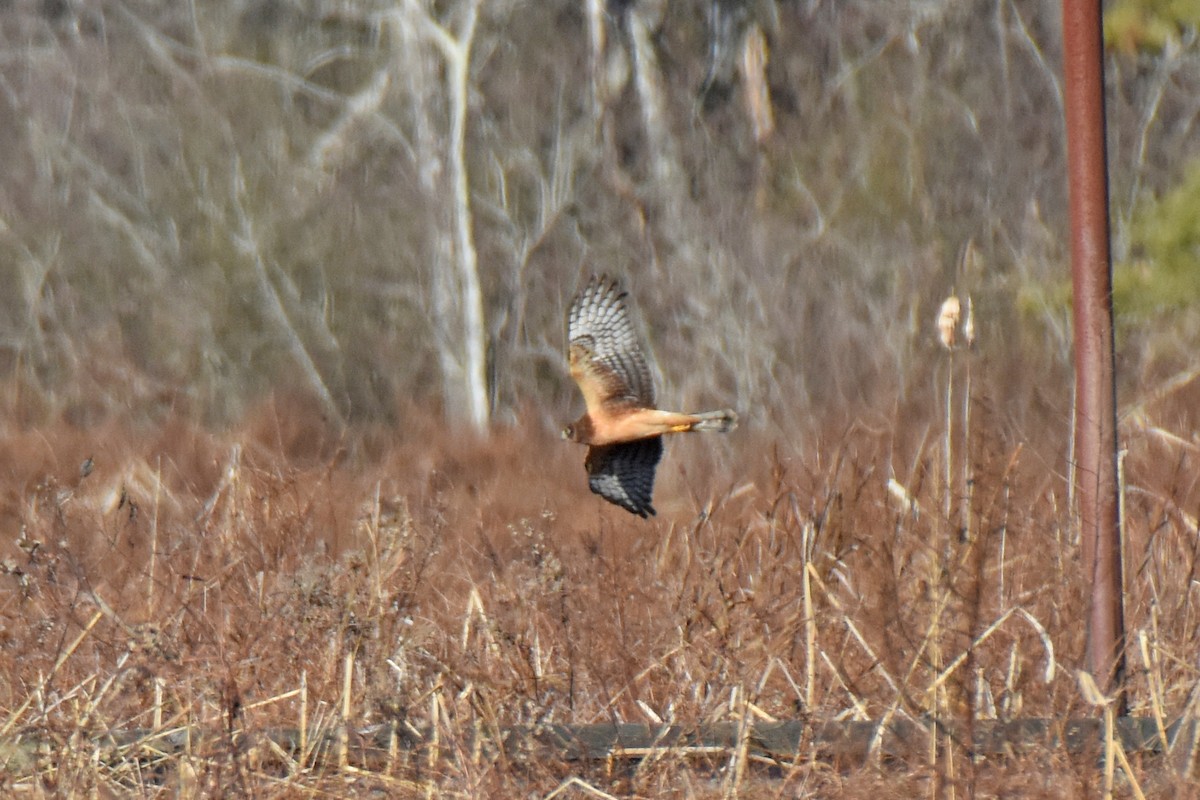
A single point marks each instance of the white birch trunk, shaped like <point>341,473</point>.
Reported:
<point>457,292</point>
<point>474,332</point>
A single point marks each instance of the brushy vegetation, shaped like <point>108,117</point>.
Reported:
<point>241,494</point>
<point>233,582</point>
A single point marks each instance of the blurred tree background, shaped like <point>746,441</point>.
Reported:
<point>366,203</point>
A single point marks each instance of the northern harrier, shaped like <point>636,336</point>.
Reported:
<point>621,425</point>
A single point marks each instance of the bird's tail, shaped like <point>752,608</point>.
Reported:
<point>715,421</point>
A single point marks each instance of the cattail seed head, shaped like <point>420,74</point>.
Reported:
<point>947,322</point>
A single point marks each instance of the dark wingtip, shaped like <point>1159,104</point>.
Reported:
<point>644,511</point>
<point>607,283</point>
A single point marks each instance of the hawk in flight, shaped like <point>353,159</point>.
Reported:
<point>622,428</point>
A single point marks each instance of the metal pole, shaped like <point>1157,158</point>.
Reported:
<point>1095,386</point>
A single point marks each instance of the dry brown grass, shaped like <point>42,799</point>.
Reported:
<point>229,581</point>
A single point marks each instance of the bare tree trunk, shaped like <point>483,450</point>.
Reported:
<point>272,308</point>
<point>596,39</point>
<point>420,78</point>
<point>459,57</point>
<point>463,352</point>
<point>664,163</point>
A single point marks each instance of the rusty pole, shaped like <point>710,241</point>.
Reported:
<point>1095,385</point>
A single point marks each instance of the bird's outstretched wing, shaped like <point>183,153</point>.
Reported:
<point>605,357</point>
<point>624,473</point>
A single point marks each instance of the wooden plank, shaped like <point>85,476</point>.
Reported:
<point>369,747</point>
<point>851,740</point>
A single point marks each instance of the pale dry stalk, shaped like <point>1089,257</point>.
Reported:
<point>810,617</point>
<point>344,729</point>
<point>1154,678</point>
<point>1114,751</point>
<point>154,535</point>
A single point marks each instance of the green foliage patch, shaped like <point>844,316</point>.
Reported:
<point>1148,25</point>
<point>1166,238</point>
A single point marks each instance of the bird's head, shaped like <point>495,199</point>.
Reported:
<point>579,431</point>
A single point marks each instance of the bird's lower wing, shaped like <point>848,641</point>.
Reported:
<point>624,473</point>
